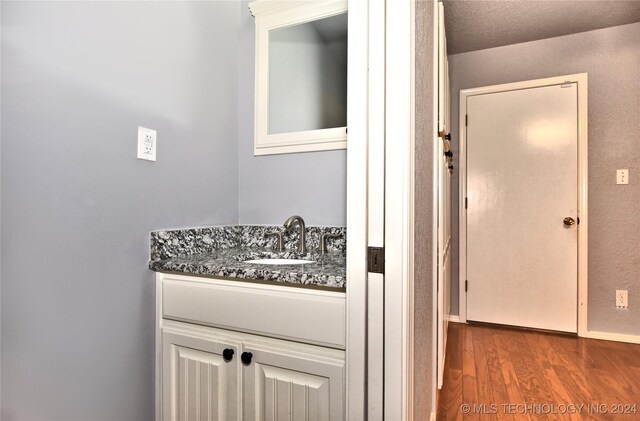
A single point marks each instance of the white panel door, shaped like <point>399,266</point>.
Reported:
<point>522,155</point>
<point>289,385</point>
<point>444,200</point>
<point>198,383</point>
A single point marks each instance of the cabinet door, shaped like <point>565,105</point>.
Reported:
<point>295,383</point>
<point>198,383</point>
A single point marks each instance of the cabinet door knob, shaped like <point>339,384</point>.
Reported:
<point>246,357</point>
<point>227,354</point>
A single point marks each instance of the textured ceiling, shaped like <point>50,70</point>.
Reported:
<point>478,24</point>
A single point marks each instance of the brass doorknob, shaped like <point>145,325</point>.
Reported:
<point>568,221</point>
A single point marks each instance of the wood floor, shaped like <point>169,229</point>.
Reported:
<point>511,374</point>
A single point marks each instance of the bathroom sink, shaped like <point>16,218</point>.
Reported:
<point>280,261</point>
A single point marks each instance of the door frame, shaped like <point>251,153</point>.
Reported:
<point>581,80</point>
<point>381,140</point>
<point>399,210</point>
<point>357,212</point>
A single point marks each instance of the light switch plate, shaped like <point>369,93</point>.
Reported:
<point>623,176</point>
<point>146,144</point>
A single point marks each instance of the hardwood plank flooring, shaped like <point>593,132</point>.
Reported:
<point>501,373</point>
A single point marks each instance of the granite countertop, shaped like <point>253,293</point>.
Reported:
<point>327,271</point>
<point>222,251</point>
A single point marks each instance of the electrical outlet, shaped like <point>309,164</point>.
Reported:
<point>622,298</point>
<point>146,144</point>
<point>623,177</point>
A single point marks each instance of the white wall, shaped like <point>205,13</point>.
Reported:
<point>611,57</point>
<point>78,78</point>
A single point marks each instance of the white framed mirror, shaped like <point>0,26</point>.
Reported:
<point>301,76</point>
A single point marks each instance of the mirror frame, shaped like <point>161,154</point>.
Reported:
<point>274,14</point>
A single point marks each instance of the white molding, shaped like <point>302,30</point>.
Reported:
<point>462,215</point>
<point>375,214</point>
<point>375,347</point>
<point>609,336</point>
<point>273,14</point>
<point>454,319</point>
<point>399,184</point>
<point>582,81</point>
<point>583,203</point>
<point>442,128</point>
<point>307,141</point>
<point>357,121</point>
<point>443,177</point>
<point>435,194</point>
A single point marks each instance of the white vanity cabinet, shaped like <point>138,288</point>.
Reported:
<point>229,350</point>
<point>293,383</point>
<point>198,382</point>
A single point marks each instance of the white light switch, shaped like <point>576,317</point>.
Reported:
<point>623,177</point>
<point>146,144</point>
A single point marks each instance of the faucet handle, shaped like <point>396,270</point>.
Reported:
<point>280,242</point>
<point>323,240</point>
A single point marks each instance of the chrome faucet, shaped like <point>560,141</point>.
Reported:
<point>302,246</point>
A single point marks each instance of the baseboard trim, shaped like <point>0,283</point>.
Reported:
<point>617,337</point>
<point>454,319</point>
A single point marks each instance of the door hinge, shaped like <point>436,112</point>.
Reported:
<point>466,286</point>
<point>466,203</point>
<point>466,119</point>
<point>375,259</point>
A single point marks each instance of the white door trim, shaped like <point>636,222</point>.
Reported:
<point>375,232</point>
<point>434,240</point>
<point>357,152</point>
<point>363,105</point>
<point>441,209</point>
<point>581,80</point>
<point>399,224</point>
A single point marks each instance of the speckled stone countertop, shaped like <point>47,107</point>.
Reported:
<point>222,252</point>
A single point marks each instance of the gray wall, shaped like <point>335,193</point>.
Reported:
<point>423,230</point>
<point>611,57</point>
<point>275,187</point>
<point>77,206</point>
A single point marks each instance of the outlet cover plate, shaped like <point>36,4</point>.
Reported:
<point>146,144</point>
<point>622,176</point>
<point>622,298</point>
